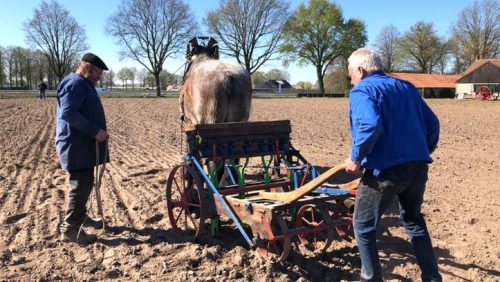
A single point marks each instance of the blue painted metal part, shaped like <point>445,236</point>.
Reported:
<point>231,176</point>
<point>295,180</point>
<point>314,172</point>
<point>332,191</point>
<point>221,200</point>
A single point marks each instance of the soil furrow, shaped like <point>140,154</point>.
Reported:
<point>43,201</point>
<point>29,181</point>
<point>33,173</point>
<point>134,182</point>
<point>132,154</point>
<point>135,196</point>
<point>139,244</point>
<point>114,201</point>
<point>18,180</point>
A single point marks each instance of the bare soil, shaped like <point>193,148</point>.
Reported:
<point>461,202</point>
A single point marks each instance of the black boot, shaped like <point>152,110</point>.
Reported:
<point>82,238</point>
<point>94,223</point>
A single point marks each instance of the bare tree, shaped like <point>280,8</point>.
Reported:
<point>442,64</point>
<point>131,75</point>
<point>39,66</point>
<point>150,31</point>
<point>123,76</point>
<point>421,48</point>
<point>141,77</point>
<point>478,31</point>
<point>18,66</point>
<point>29,63</point>
<point>2,66</point>
<point>57,34</point>
<point>458,63</point>
<point>9,58</point>
<point>109,77</point>
<point>386,46</point>
<point>249,30</point>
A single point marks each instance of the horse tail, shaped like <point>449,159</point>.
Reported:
<point>239,95</point>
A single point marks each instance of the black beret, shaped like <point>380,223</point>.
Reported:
<point>96,61</point>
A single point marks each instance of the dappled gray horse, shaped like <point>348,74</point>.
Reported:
<point>215,91</point>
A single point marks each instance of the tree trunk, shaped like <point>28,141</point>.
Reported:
<point>320,80</point>
<point>158,86</point>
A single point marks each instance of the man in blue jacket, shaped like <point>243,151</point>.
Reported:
<point>393,134</point>
<point>81,125</point>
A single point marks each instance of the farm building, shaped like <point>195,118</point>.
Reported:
<point>274,84</point>
<point>430,85</point>
<point>481,78</point>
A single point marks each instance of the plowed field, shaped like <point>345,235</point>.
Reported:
<point>461,203</point>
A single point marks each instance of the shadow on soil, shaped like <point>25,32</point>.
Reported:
<point>341,263</point>
<point>401,247</point>
<point>119,235</point>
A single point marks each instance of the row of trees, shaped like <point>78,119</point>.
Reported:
<point>144,78</point>
<point>23,68</point>
<point>254,32</point>
<point>475,35</point>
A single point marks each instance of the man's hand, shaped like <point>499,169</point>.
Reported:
<point>352,166</point>
<point>102,135</point>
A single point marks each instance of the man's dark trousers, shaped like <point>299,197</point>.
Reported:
<point>374,195</point>
<point>80,182</point>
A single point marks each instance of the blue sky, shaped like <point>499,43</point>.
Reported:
<point>92,14</point>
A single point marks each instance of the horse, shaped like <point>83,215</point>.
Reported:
<point>215,91</point>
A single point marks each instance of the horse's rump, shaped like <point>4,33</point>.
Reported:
<point>215,91</point>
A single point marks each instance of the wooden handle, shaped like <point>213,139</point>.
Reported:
<point>350,185</point>
<point>292,196</point>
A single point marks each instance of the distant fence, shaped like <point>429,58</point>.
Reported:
<point>22,93</point>
<point>293,93</point>
<point>14,88</point>
<point>317,94</point>
<point>118,93</point>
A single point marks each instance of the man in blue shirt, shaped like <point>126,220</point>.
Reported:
<point>393,134</point>
<point>81,125</point>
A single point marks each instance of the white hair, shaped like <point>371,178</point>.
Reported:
<point>367,59</point>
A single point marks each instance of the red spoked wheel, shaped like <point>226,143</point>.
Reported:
<point>342,212</point>
<point>484,93</point>
<point>185,201</point>
<point>313,217</point>
<point>277,250</point>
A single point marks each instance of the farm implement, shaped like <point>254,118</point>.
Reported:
<point>250,173</point>
<point>486,93</point>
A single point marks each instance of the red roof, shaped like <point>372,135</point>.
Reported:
<point>423,80</point>
<point>478,63</point>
